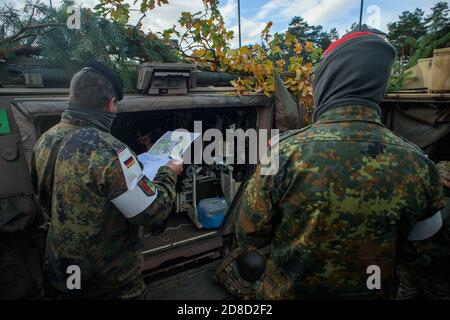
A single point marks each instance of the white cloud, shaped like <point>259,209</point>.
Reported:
<point>166,16</point>
<point>313,11</point>
<point>270,6</point>
<point>229,11</point>
<point>251,32</point>
<point>159,19</point>
<point>324,10</point>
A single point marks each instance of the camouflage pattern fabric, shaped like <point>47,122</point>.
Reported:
<point>345,196</point>
<point>423,269</point>
<point>444,171</point>
<point>227,274</point>
<point>86,229</point>
<point>425,274</point>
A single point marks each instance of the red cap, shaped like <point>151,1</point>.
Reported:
<point>349,36</point>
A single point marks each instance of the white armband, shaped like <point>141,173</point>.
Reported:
<point>141,191</point>
<point>426,228</point>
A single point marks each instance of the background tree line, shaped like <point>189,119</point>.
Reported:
<point>38,30</point>
<point>415,35</point>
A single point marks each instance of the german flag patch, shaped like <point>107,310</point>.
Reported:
<point>147,186</point>
<point>129,162</point>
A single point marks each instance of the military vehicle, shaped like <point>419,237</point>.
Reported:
<point>177,246</point>
<point>179,258</point>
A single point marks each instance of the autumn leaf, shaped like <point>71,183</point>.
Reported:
<point>204,39</point>
<point>298,48</point>
<point>309,46</point>
<point>276,50</point>
<point>120,14</point>
<point>290,39</point>
<point>244,50</point>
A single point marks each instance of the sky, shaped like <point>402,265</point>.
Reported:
<point>255,14</point>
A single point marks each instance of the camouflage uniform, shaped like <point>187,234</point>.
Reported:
<point>87,229</point>
<point>346,193</point>
<point>444,171</point>
<point>423,269</point>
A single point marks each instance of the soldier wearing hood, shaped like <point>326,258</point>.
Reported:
<point>349,193</point>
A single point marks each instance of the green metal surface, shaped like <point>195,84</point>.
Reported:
<point>4,122</point>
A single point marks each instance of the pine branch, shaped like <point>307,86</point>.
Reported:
<point>20,34</point>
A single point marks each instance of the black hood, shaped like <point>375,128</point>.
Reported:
<point>353,71</point>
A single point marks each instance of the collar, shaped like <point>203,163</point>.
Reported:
<point>69,119</point>
<point>348,114</point>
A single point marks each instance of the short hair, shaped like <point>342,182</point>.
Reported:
<point>90,89</point>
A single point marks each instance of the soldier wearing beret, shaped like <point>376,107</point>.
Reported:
<point>348,194</point>
<point>92,187</point>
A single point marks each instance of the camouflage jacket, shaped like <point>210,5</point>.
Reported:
<point>345,196</point>
<point>423,268</point>
<point>76,173</point>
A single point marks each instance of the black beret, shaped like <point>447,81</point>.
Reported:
<point>110,75</point>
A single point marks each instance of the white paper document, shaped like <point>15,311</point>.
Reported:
<point>173,144</point>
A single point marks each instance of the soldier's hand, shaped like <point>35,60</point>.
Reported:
<point>176,165</point>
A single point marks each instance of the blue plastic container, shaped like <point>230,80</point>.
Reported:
<point>211,212</point>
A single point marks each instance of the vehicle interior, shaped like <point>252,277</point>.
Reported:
<point>199,181</point>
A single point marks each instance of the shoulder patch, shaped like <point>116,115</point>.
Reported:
<point>130,167</point>
<point>147,186</point>
<point>129,162</point>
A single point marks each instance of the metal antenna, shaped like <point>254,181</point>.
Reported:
<point>239,21</point>
<point>360,15</point>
